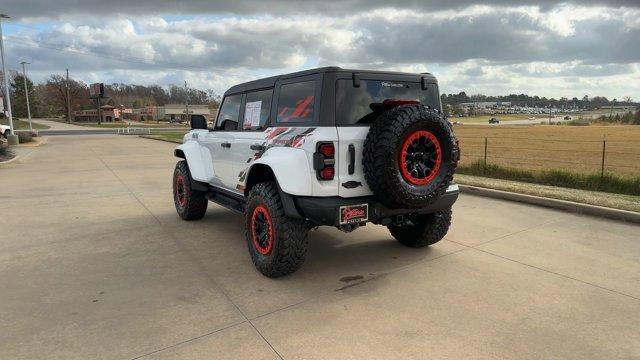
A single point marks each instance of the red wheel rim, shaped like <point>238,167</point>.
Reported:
<point>420,157</point>
<point>262,230</point>
<point>181,192</point>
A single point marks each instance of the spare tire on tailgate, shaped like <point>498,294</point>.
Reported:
<point>409,156</point>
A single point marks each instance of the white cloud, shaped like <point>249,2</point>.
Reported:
<point>478,48</point>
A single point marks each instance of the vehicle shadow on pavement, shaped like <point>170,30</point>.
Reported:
<point>335,261</point>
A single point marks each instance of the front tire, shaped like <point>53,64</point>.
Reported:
<point>190,204</point>
<point>422,230</point>
<point>276,242</point>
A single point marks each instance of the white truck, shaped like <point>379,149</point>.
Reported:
<point>327,146</point>
<point>5,130</point>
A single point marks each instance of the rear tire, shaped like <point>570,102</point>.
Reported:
<point>190,204</point>
<point>276,242</point>
<point>424,230</point>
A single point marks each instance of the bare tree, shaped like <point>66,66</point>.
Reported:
<point>627,99</point>
<point>57,92</point>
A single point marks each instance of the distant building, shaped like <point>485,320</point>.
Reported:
<point>169,112</point>
<point>173,112</point>
<point>148,113</point>
<point>109,114</point>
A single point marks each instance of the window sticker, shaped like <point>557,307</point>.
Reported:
<point>252,114</point>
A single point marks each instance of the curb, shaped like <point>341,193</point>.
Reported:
<point>570,206</point>
<point>36,143</point>
<point>157,139</point>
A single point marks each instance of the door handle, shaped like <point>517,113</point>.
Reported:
<point>352,159</point>
<point>257,147</point>
<point>225,145</point>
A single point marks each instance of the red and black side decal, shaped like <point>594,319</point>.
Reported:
<point>280,136</point>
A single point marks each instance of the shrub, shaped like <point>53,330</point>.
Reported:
<point>5,153</point>
<point>578,122</point>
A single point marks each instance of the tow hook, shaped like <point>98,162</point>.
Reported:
<point>347,228</point>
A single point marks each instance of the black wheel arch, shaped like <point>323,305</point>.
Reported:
<point>260,173</point>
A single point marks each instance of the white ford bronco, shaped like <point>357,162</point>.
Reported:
<point>326,146</point>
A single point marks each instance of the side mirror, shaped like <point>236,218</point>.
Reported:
<point>229,125</point>
<point>198,122</point>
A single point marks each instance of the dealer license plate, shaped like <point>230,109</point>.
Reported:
<point>354,214</point>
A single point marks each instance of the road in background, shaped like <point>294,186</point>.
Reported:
<point>95,263</point>
<point>513,122</point>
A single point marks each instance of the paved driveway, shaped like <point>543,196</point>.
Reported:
<point>57,125</point>
<point>94,263</point>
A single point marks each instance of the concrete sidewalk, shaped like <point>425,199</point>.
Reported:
<point>95,264</point>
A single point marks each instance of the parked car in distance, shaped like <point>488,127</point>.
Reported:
<point>494,121</point>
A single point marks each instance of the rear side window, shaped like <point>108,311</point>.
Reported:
<point>229,113</point>
<point>362,105</point>
<point>257,109</point>
<point>295,102</point>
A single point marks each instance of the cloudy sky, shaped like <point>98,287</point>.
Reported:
<point>547,48</point>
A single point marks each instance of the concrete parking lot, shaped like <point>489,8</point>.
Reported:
<point>95,264</point>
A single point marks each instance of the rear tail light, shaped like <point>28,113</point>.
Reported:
<point>327,173</point>
<point>324,161</point>
<point>327,149</point>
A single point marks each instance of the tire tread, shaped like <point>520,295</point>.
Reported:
<point>380,155</point>
<point>291,243</point>
<point>196,206</point>
<point>434,227</point>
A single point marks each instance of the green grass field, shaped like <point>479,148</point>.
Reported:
<point>175,137</point>
<point>134,125</point>
<point>616,201</point>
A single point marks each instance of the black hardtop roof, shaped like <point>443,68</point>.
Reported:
<point>271,81</point>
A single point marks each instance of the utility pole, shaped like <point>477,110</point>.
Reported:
<point>186,100</point>
<point>26,92</point>
<point>68,100</point>
<point>13,138</point>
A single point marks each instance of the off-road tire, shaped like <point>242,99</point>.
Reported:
<point>426,229</point>
<point>194,203</point>
<point>289,237</point>
<point>381,156</point>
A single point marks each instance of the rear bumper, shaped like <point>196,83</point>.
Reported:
<point>326,210</point>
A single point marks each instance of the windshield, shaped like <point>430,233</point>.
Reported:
<point>362,105</point>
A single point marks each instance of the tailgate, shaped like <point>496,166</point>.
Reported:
<point>349,161</point>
